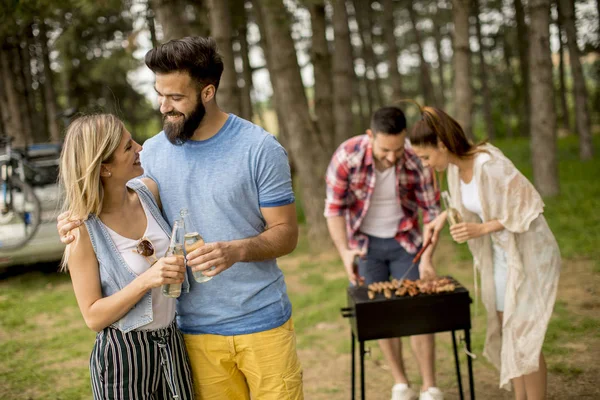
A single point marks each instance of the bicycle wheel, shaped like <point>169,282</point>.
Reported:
<point>20,218</point>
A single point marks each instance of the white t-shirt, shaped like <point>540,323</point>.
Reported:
<point>384,212</point>
<point>163,307</point>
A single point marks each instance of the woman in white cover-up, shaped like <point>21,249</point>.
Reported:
<point>513,248</point>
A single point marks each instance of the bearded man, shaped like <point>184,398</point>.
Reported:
<point>234,178</point>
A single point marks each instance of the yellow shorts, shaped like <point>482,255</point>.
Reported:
<point>231,367</point>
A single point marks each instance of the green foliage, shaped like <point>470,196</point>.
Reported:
<point>91,49</point>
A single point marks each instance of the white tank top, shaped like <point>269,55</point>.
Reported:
<point>163,307</point>
<point>384,213</point>
<point>469,193</point>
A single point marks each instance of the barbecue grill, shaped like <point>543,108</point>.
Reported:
<point>382,318</point>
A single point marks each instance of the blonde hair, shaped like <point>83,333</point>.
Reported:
<point>90,141</point>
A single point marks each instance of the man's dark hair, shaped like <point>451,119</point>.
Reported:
<point>388,120</point>
<point>196,55</point>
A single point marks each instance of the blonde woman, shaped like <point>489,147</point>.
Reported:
<point>512,246</point>
<point>116,268</point>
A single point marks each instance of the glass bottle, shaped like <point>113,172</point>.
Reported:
<point>175,249</point>
<point>193,240</point>
<point>453,214</point>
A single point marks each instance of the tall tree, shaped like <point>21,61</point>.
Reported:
<point>425,76</point>
<point>363,13</point>
<point>437,31</point>
<point>38,130</point>
<point>150,23</point>
<point>22,91</point>
<point>49,93</point>
<point>240,23</point>
<point>220,25</point>
<point>174,19</point>
<point>598,22</point>
<point>510,84</point>
<point>523,47</point>
<point>486,98</point>
<point>321,61</point>
<point>389,25</point>
<point>562,88</point>
<point>282,133</point>
<point>463,94</point>
<point>543,119</point>
<point>305,141</point>
<point>362,97</point>
<point>586,149</point>
<point>344,77</point>
<point>4,115</point>
<point>12,113</point>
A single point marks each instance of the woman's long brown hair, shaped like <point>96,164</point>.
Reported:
<point>435,126</point>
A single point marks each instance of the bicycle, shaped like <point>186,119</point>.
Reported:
<point>20,171</point>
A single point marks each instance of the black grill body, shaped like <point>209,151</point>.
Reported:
<point>383,318</point>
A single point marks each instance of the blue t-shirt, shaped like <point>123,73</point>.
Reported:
<point>223,182</point>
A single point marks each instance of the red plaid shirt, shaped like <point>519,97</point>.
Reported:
<point>350,183</point>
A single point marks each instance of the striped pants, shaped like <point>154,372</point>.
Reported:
<point>140,365</point>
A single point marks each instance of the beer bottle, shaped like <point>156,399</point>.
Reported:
<point>175,249</point>
<point>453,214</point>
<point>193,240</point>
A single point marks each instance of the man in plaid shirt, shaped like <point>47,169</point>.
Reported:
<point>376,185</point>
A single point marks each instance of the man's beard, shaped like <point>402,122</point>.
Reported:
<point>180,132</point>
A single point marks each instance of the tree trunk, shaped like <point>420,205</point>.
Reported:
<point>463,95</point>
<point>441,64</point>
<point>151,24</point>
<point>426,85</point>
<point>38,134</point>
<point>598,21</point>
<point>486,98</point>
<point>304,138</point>
<point>246,90</point>
<point>14,124</point>
<point>323,87</point>
<point>389,25</point>
<point>172,17</point>
<point>344,77</point>
<point>543,119</point>
<point>510,84</point>
<point>361,95</point>
<point>49,93</point>
<point>22,93</point>
<point>562,89</point>
<point>282,132</point>
<point>523,47</point>
<point>586,149</point>
<point>228,96</point>
<point>240,21</point>
<point>5,118</point>
<point>363,13</point>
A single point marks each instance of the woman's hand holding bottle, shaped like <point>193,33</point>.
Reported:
<point>166,271</point>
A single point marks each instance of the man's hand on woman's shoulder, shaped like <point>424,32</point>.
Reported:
<point>64,226</point>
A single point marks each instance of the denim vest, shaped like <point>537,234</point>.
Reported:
<point>115,274</point>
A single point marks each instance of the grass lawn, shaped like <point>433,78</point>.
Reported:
<point>45,345</point>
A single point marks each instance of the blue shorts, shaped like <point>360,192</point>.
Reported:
<point>386,258</point>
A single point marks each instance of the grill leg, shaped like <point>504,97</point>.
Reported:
<point>353,366</point>
<point>362,369</point>
<point>470,364</point>
<point>457,363</point>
